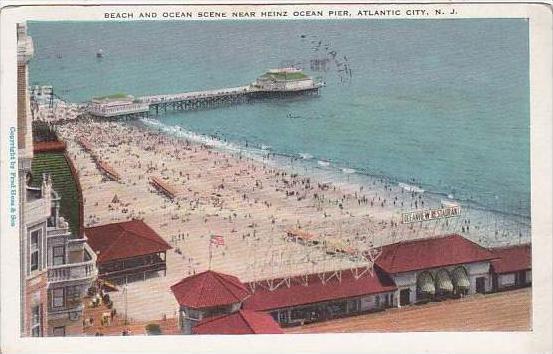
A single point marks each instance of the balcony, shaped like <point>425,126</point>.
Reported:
<point>84,271</point>
<point>54,232</point>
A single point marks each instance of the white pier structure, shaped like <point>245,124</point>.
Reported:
<point>282,82</point>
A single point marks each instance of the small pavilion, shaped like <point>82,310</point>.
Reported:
<point>127,251</point>
<point>207,294</point>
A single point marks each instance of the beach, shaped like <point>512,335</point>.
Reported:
<point>249,200</point>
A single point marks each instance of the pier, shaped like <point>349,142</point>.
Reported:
<point>285,82</point>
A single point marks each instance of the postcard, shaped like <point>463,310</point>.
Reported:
<point>276,177</point>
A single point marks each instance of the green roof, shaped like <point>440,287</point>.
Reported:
<point>118,95</point>
<point>285,76</point>
<point>63,183</point>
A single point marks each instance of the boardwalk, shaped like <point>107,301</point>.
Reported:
<point>195,95</point>
<point>506,311</point>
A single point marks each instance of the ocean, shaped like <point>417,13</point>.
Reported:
<point>441,104</point>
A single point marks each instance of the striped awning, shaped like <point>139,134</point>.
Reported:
<point>443,281</point>
<point>460,278</point>
<point>425,283</point>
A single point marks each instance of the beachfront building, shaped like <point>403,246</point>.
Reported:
<point>206,295</point>
<point>118,105</point>
<point>56,265</point>
<point>309,299</point>
<point>128,251</point>
<point>437,267</point>
<point>513,267</point>
<point>239,322</point>
<point>285,80</point>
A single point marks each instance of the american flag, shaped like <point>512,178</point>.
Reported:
<point>218,240</point>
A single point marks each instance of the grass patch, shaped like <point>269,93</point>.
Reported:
<point>118,95</point>
<point>287,76</point>
<point>63,183</point>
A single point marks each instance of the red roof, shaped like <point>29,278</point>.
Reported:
<point>512,259</point>
<point>48,146</point>
<point>299,294</point>
<point>209,289</point>
<point>124,240</point>
<point>241,322</point>
<point>431,253</point>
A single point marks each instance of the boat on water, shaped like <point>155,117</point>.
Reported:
<point>100,53</point>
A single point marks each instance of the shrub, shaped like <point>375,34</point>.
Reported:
<point>153,329</point>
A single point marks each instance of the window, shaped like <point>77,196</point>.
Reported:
<point>72,295</point>
<point>58,299</point>
<point>35,321</point>
<point>283,316</point>
<point>59,331</point>
<point>58,255</point>
<point>35,249</point>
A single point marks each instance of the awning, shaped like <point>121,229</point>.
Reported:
<point>443,281</point>
<point>425,283</point>
<point>460,278</point>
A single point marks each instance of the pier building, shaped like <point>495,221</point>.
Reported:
<point>118,105</point>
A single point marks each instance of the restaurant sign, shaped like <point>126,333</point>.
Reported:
<point>430,214</point>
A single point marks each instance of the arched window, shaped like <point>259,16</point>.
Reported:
<point>425,286</point>
<point>461,280</point>
<point>443,282</point>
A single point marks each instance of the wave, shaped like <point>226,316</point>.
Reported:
<point>323,163</point>
<point>348,170</point>
<point>305,156</point>
<point>410,188</point>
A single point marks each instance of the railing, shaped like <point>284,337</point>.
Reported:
<point>53,232</point>
<point>194,95</point>
<point>72,271</point>
<point>61,312</point>
<point>76,244</point>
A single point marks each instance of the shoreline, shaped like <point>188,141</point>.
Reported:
<point>303,161</point>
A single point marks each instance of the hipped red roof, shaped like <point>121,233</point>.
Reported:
<point>512,259</point>
<point>299,294</point>
<point>209,289</point>
<point>124,240</point>
<point>431,253</point>
<point>241,322</point>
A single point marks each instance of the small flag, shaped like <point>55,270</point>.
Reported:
<point>217,240</point>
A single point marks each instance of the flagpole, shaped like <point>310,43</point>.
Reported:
<point>210,255</point>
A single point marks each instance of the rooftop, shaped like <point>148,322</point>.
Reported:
<point>241,322</point>
<point>317,291</point>
<point>430,253</point>
<point>124,240</point>
<point>209,289</point>
<point>286,74</point>
<point>512,258</point>
<point>115,97</point>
